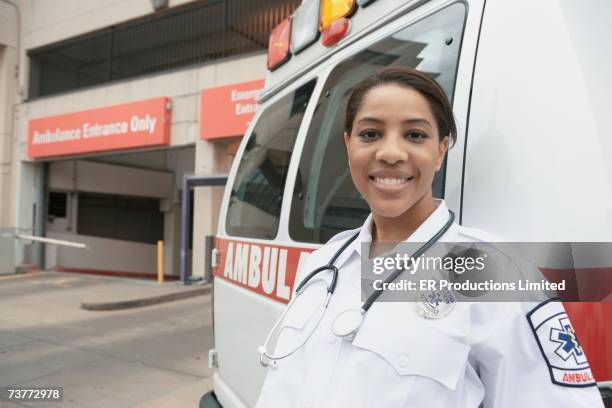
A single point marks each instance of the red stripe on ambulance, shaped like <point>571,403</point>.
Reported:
<point>268,270</point>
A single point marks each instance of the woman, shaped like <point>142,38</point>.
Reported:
<point>398,127</point>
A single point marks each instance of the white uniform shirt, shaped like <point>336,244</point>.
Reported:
<point>480,354</point>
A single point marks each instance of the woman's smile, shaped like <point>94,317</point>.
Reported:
<point>390,182</point>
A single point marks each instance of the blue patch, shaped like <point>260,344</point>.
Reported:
<point>569,346</point>
<point>559,345</point>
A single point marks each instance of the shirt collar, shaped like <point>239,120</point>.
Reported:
<point>432,224</point>
<point>423,233</point>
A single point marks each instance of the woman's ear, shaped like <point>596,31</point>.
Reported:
<point>442,149</point>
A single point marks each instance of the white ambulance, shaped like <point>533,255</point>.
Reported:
<point>530,83</point>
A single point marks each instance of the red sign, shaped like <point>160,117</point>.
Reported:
<point>137,124</point>
<point>228,110</point>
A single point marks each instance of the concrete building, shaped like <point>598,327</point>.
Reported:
<point>104,107</point>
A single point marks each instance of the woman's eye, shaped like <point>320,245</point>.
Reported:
<point>416,135</point>
<point>369,134</point>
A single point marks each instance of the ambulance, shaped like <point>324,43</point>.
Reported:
<point>530,83</point>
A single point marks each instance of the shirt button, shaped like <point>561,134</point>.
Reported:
<point>403,361</point>
<point>332,338</point>
<point>307,404</point>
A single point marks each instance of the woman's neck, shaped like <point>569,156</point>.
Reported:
<point>398,229</point>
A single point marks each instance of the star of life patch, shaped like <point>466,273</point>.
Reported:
<point>559,345</point>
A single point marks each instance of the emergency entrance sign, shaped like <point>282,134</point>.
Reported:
<point>138,124</point>
<point>227,110</point>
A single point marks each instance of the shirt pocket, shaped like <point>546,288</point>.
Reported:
<point>424,360</point>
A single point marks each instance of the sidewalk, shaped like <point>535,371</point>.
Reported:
<point>139,294</point>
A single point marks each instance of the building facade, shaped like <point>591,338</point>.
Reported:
<point>105,106</point>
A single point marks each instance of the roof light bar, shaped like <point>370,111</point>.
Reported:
<point>305,29</point>
<point>278,44</point>
<point>336,31</point>
<point>332,10</point>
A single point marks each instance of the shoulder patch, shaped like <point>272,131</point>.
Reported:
<point>559,345</point>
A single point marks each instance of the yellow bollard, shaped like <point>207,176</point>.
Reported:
<point>160,262</point>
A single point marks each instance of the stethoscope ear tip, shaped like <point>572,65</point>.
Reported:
<point>261,350</point>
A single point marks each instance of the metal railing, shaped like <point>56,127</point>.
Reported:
<point>180,36</point>
<point>12,238</point>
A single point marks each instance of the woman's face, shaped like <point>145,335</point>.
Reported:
<point>394,150</point>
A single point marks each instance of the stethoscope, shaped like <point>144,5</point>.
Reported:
<point>347,323</point>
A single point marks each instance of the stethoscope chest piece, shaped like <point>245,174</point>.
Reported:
<point>347,323</point>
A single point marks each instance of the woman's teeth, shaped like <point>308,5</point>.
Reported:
<point>390,181</point>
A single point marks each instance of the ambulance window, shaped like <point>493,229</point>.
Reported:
<point>255,201</point>
<point>325,200</point>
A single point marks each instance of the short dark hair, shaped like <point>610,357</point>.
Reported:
<point>409,78</point>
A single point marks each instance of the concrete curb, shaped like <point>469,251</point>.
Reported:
<point>142,302</point>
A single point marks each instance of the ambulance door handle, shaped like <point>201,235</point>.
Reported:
<point>214,255</point>
<point>213,359</point>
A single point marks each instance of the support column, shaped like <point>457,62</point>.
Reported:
<point>40,216</point>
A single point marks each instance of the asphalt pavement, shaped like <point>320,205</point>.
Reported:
<point>149,355</point>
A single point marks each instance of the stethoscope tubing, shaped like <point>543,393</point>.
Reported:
<point>330,266</point>
<point>263,349</point>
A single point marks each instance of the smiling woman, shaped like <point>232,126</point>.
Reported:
<point>333,348</point>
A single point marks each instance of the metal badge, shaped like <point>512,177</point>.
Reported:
<point>436,304</point>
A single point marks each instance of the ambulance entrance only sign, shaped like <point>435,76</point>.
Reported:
<point>137,124</point>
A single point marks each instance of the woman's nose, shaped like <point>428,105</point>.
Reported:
<point>391,149</point>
